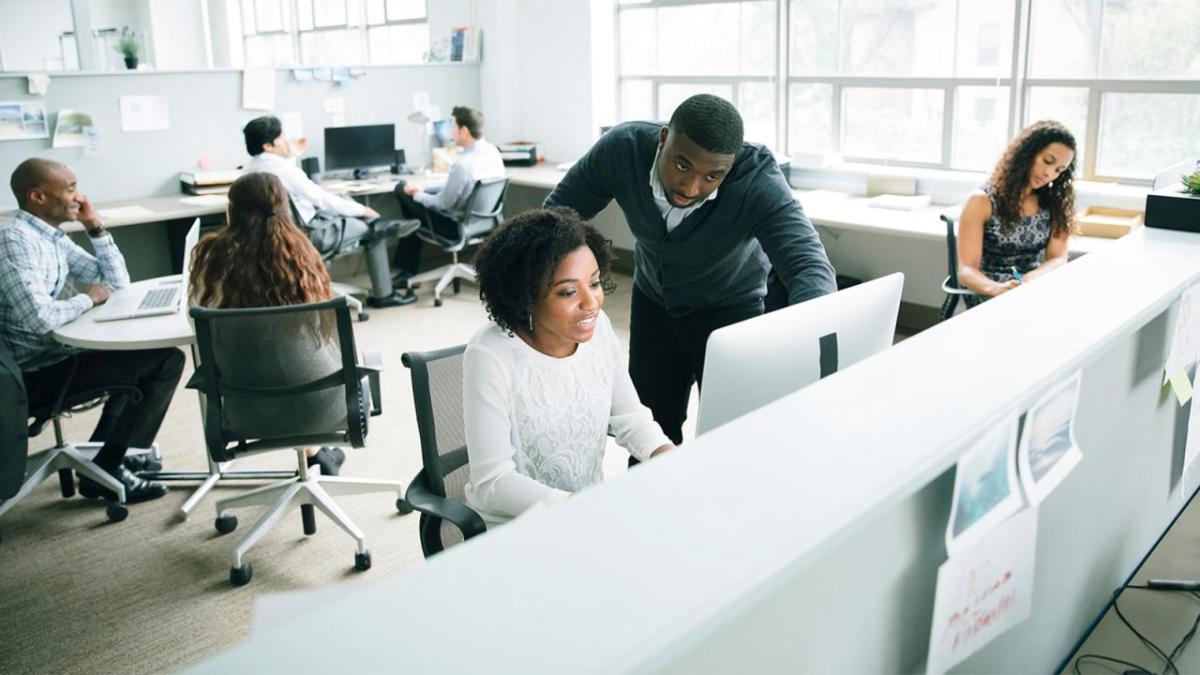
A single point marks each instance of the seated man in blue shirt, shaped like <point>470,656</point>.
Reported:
<point>38,262</point>
<point>440,207</point>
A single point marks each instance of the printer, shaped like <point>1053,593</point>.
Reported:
<point>518,154</point>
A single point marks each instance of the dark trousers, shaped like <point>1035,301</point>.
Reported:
<point>155,372</point>
<point>666,355</point>
<point>408,250</point>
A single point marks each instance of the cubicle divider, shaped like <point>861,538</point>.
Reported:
<point>806,536</point>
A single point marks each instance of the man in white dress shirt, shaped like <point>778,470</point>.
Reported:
<point>333,223</point>
<point>440,207</point>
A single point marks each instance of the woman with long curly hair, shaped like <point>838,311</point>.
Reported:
<point>261,259</point>
<point>1016,227</point>
<point>545,381</point>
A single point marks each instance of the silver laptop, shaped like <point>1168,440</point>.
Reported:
<point>155,300</point>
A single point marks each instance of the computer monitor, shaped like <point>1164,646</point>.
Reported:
<point>750,364</point>
<point>443,130</point>
<point>1170,176</point>
<point>360,149</point>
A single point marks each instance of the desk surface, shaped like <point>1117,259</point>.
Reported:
<point>152,332</point>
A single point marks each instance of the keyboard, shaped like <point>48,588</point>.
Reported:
<point>159,298</point>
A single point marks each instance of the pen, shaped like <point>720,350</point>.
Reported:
<point>1017,274</point>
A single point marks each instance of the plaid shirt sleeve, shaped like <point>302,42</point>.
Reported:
<point>23,283</point>
<point>106,267</point>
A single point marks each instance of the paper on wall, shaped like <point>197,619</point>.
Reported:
<point>258,89</point>
<point>336,109</point>
<point>145,113</point>
<point>302,74</point>
<point>39,84</point>
<point>982,592</point>
<point>986,488</point>
<point>1191,448</point>
<point>70,128</point>
<point>1185,345</point>
<point>1048,450</point>
<point>21,120</point>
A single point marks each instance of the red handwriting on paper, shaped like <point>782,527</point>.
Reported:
<point>988,594</point>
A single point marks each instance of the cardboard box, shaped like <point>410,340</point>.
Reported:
<point>1107,222</point>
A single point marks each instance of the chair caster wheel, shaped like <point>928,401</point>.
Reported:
<point>363,316</point>
<point>116,511</point>
<point>226,524</point>
<point>403,507</point>
<point>437,302</point>
<point>362,561</point>
<point>240,576</point>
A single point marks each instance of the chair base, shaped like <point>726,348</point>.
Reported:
<point>306,489</point>
<point>445,275</point>
<point>71,457</point>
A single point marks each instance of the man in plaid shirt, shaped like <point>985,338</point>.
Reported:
<point>47,281</point>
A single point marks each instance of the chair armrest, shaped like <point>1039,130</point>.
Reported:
<point>371,366</point>
<point>956,290</point>
<point>354,304</point>
<point>464,517</point>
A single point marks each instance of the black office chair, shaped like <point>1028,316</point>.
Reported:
<point>483,213</point>
<point>64,457</point>
<point>286,378</point>
<point>334,250</point>
<point>437,490</point>
<point>951,286</point>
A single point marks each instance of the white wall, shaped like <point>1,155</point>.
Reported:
<point>29,34</point>
<point>177,34</point>
<point>539,80</point>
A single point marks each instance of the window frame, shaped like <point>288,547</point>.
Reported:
<point>291,28</point>
<point>1017,79</point>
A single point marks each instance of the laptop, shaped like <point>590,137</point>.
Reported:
<point>164,298</point>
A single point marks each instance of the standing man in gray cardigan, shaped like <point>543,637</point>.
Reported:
<point>712,216</point>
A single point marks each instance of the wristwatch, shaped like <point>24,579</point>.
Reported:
<point>97,232</point>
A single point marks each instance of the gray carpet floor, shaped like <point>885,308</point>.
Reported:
<point>152,594</point>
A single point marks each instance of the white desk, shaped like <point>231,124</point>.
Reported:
<point>152,332</point>
<point>824,553</point>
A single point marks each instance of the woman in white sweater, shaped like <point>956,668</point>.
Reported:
<point>545,381</point>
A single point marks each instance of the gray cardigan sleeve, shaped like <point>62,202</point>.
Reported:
<point>588,185</point>
<point>791,243</point>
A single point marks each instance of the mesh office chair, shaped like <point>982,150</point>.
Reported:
<point>64,457</point>
<point>286,377</point>
<point>484,213</point>
<point>334,251</point>
<point>953,289</point>
<point>437,490</point>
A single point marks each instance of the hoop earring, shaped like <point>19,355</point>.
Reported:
<point>531,322</point>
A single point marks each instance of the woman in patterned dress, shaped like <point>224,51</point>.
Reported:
<point>1022,217</point>
<point>545,381</point>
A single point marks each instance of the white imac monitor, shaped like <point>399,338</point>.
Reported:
<point>752,363</point>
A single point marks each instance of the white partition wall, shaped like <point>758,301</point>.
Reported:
<point>806,536</point>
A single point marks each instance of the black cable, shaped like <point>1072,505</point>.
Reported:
<point>1100,657</point>
<point>1168,659</point>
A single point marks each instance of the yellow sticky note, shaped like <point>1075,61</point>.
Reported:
<point>1182,386</point>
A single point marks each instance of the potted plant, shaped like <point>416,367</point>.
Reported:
<point>128,45</point>
<point>1192,182</point>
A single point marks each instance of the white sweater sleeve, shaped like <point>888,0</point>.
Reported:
<point>629,421</point>
<point>495,486</point>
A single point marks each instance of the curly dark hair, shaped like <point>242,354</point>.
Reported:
<point>515,264</point>
<point>1011,177</point>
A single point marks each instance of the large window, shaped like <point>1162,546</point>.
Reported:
<point>334,32</point>
<point>938,83</point>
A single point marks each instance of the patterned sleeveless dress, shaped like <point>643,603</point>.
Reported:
<point>1021,246</point>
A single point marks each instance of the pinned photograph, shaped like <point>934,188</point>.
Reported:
<point>986,489</point>
<point>20,120</point>
<point>1048,450</point>
<point>70,129</point>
